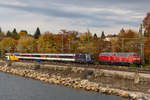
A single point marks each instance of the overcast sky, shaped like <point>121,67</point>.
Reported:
<point>53,15</point>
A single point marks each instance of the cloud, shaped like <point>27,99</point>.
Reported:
<point>77,14</point>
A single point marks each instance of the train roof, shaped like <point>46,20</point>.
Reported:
<point>66,54</point>
<point>117,53</point>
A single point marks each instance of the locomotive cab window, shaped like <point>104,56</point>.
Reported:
<point>135,54</point>
<point>123,54</point>
<point>80,55</point>
<point>106,54</point>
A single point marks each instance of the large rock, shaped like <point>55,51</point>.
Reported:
<point>137,78</point>
<point>124,94</point>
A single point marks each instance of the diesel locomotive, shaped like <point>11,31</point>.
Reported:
<point>122,58</point>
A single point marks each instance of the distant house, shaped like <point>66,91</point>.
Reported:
<point>110,37</point>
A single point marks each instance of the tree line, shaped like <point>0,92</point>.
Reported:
<point>66,41</point>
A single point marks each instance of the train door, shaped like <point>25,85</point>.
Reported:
<point>112,57</point>
<point>136,59</point>
<point>130,58</point>
<point>89,58</point>
<point>80,58</point>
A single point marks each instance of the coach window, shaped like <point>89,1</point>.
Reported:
<point>33,55</point>
<point>36,56</point>
<point>48,56</point>
<point>65,56</point>
<point>53,56</point>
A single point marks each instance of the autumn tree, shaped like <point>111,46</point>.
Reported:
<point>128,41</point>
<point>46,43</point>
<point>26,44</point>
<point>68,40</point>
<point>96,46</point>
<point>58,42</point>
<point>83,43</point>
<point>22,33</point>
<point>72,41</point>
<point>114,43</point>
<point>99,45</point>
<point>7,44</point>
<point>146,24</point>
<point>37,33</point>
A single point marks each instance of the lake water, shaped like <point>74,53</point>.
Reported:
<point>17,88</point>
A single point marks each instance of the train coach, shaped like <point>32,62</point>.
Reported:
<point>61,57</point>
<point>119,58</point>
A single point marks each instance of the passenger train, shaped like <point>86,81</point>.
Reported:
<point>122,58</point>
<point>63,57</point>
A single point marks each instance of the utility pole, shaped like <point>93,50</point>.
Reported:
<point>62,43</point>
<point>141,45</point>
<point>43,46</point>
<point>69,45</point>
<point>122,40</point>
<point>88,42</point>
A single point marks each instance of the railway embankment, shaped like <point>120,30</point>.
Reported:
<point>132,85</point>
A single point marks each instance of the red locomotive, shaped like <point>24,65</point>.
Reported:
<point>119,58</point>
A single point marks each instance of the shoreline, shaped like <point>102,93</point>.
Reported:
<point>77,82</point>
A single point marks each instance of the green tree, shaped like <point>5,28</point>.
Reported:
<point>145,33</point>
<point>8,34</point>
<point>122,31</point>
<point>0,30</point>
<point>37,33</point>
<point>2,35</point>
<point>103,35</point>
<point>95,36</point>
<point>14,34</point>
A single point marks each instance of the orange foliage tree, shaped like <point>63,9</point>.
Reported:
<point>129,39</point>
<point>146,24</point>
<point>66,41</point>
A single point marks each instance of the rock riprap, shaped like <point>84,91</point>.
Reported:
<point>73,82</point>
